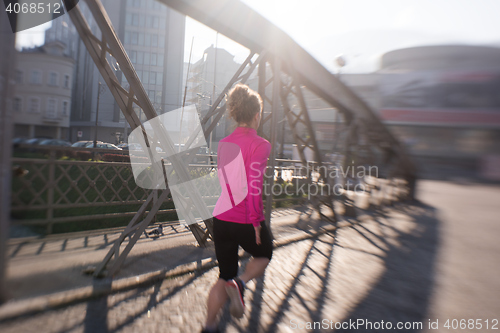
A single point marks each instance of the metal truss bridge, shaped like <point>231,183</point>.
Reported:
<point>285,71</point>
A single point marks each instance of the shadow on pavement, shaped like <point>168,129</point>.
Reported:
<point>403,292</point>
<point>400,292</point>
<point>96,315</point>
<point>56,280</point>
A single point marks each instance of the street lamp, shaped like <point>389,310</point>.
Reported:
<point>100,90</point>
<point>341,62</point>
<point>204,96</point>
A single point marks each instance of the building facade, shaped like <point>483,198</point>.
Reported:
<point>206,79</point>
<point>42,100</point>
<point>153,36</point>
<point>442,101</point>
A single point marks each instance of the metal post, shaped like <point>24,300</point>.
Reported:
<point>97,113</point>
<point>124,131</point>
<point>187,74</point>
<point>50,190</point>
<point>213,90</point>
<point>7,65</point>
<point>262,90</point>
<point>272,156</point>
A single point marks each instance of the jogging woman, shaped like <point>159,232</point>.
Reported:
<point>238,215</point>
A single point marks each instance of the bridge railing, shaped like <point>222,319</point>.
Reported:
<point>53,185</point>
<point>56,185</point>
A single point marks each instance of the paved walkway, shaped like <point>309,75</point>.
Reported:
<point>406,265</point>
<point>41,266</point>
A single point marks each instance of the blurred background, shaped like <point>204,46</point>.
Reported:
<point>429,69</point>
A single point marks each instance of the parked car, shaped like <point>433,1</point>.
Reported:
<point>102,145</point>
<point>35,141</point>
<point>202,156</point>
<point>130,146</point>
<point>83,144</point>
<point>55,142</point>
<point>18,141</point>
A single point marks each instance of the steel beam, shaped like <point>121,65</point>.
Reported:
<point>245,26</point>
<point>272,157</point>
<point>311,142</point>
<point>109,43</point>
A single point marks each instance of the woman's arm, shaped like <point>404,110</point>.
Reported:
<point>258,163</point>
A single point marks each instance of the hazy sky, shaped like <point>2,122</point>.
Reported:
<point>360,30</point>
<point>309,21</point>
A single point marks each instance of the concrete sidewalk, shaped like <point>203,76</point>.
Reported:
<point>437,260</point>
<point>48,272</point>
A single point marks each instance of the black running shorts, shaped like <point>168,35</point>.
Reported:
<point>229,235</point>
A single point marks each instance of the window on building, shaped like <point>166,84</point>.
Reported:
<point>36,77</point>
<point>66,81</point>
<point>145,77</point>
<point>19,77</point>
<point>147,40</point>
<point>133,56</point>
<point>34,105</point>
<point>141,39</point>
<point>152,78</point>
<point>153,59</point>
<point>136,3</point>
<point>51,108</point>
<point>156,22</point>
<point>159,78</point>
<point>17,104</point>
<point>52,79</point>
<point>154,40</point>
<point>134,38</point>
<point>161,42</point>
<point>65,105</point>
<point>138,112</point>
<point>142,20</point>
<point>160,59</point>
<point>146,58</point>
<point>127,37</point>
<point>158,97</point>
<point>128,19</point>
<point>124,81</point>
<point>135,20</point>
<point>50,36</point>
<point>140,58</point>
<point>163,23</point>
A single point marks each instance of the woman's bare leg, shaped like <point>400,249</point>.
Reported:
<point>254,269</point>
<point>216,300</point>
